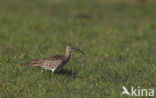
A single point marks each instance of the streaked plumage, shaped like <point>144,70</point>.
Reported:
<point>54,62</point>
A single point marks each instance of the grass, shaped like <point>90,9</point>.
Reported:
<point>118,39</point>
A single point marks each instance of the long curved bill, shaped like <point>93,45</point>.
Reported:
<point>79,50</point>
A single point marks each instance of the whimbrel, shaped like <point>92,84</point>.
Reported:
<point>54,62</point>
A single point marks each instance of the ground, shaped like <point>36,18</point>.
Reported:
<point>118,39</point>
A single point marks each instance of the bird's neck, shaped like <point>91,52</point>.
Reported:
<point>67,54</point>
<point>67,57</point>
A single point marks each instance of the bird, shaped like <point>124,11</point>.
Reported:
<point>55,62</point>
<point>125,91</point>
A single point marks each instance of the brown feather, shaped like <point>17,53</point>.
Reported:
<point>54,62</point>
<point>40,61</point>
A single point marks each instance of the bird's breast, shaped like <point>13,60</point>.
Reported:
<point>66,60</point>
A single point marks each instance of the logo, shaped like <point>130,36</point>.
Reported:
<point>137,91</point>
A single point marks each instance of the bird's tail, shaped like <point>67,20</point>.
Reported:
<point>34,63</point>
<point>29,64</point>
<point>24,64</point>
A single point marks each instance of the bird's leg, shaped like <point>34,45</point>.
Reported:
<point>52,70</point>
<point>42,70</point>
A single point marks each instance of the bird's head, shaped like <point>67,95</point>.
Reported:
<point>70,48</point>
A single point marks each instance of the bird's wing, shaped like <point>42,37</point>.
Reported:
<point>56,57</point>
<point>52,64</point>
<point>49,61</point>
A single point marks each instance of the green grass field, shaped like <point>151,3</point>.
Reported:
<point>119,40</point>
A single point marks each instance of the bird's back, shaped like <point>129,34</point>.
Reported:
<point>49,62</point>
